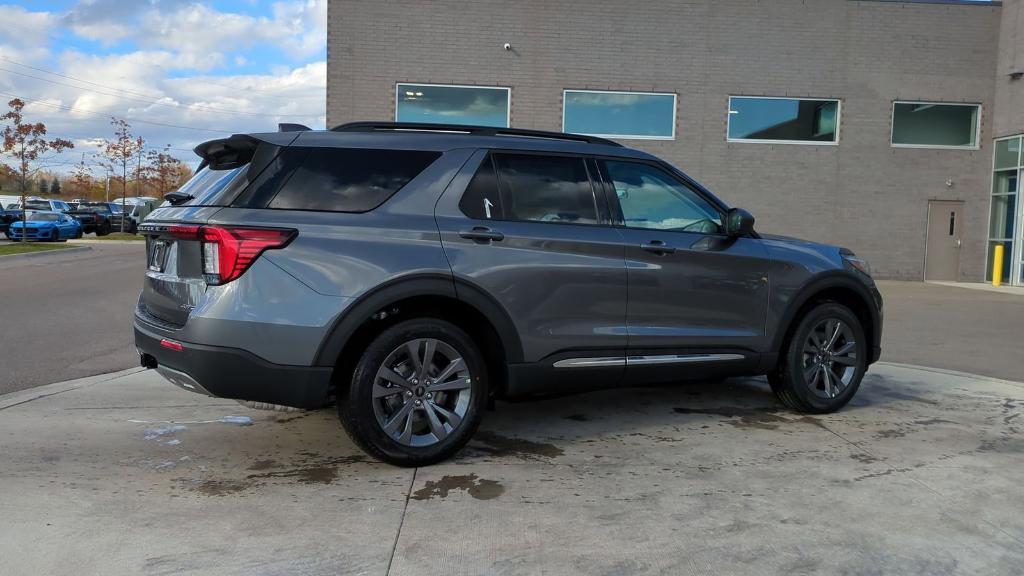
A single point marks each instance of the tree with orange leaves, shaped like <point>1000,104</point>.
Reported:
<point>27,148</point>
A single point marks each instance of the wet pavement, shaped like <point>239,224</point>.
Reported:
<point>125,474</point>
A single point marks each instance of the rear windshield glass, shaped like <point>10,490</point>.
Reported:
<point>350,179</point>
<point>206,185</point>
<point>93,208</point>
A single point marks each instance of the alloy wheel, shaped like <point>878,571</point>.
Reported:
<point>421,392</point>
<point>829,358</point>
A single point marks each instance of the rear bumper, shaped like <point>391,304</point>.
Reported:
<point>233,373</point>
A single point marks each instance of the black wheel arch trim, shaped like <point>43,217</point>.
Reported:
<point>820,283</point>
<point>412,286</point>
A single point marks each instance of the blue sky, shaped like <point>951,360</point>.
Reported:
<point>180,71</point>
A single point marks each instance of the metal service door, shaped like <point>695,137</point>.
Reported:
<point>945,238</point>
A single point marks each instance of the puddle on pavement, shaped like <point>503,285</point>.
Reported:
<point>498,445</point>
<point>762,418</point>
<point>476,487</point>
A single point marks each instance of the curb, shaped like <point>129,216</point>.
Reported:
<point>48,252</point>
<point>951,373</point>
<point>28,395</point>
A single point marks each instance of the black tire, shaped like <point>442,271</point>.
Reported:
<point>359,410</point>
<point>78,233</point>
<point>820,395</point>
<point>103,230</point>
<point>134,228</point>
<point>55,236</point>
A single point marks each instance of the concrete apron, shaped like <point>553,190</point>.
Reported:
<point>921,474</point>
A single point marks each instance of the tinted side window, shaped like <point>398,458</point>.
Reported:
<point>481,199</point>
<point>546,189</point>
<point>651,198</point>
<point>350,180</point>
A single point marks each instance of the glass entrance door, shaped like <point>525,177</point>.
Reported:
<point>1006,213</point>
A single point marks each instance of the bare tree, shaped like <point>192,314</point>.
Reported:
<point>27,147</point>
<point>81,178</point>
<point>119,153</point>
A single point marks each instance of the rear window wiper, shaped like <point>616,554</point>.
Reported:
<point>176,198</point>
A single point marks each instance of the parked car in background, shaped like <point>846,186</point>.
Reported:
<point>8,217</point>
<point>96,217</point>
<point>135,211</point>
<point>414,272</point>
<point>46,205</point>
<point>42,225</point>
<point>6,201</point>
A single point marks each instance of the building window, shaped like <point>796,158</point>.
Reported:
<point>443,104</point>
<point>639,115</point>
<point>1005,217</point>
<point>934,125</point>
<point>783,120</point>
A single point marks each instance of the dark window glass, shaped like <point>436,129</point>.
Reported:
<point>545,189</point>
<point>783,119</point>
<point>350,180</point>
<point>651,198</point>
<point>481,200</point>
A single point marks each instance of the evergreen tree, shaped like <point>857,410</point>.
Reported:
<point>55,187</point>
<point>43,188</point>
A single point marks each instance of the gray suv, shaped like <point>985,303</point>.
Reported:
<point>415,272</point>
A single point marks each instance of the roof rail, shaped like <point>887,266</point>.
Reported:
<point>475,130</point>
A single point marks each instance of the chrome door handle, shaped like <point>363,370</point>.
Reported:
<point>658,247</point>
<point>482,234</point>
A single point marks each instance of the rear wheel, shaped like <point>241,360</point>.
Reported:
<point>103,230</point>
<point>824,361</point>
<point>417,394</point>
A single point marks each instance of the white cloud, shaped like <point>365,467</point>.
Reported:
<point>172,77</point>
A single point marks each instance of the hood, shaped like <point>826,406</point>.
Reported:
<point>33,224</point>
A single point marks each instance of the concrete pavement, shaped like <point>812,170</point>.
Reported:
<point>126,474</point>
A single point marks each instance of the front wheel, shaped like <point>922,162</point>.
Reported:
<point>824,361</point>
<point>103,230</point>
<point>417,394</point>
<point>54,236</point>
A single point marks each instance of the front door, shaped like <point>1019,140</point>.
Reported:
<point>697,298</point>
<point>945,237</point>
<point>527,229</point>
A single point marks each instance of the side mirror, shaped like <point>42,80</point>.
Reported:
<point>739,222</point>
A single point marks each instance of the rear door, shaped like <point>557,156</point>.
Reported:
<point>531,231</point>
<point>696,296</point>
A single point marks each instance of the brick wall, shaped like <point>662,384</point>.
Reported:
<point>862,194</point>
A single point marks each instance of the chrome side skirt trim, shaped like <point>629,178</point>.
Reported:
<point>591,362</point>
<point>681,359</point>
<point>645,360</point>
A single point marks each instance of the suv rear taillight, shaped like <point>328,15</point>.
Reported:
<point>228,251</point>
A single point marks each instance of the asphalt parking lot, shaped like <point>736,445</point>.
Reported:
<point>67,314</point>
<point>128,475</point>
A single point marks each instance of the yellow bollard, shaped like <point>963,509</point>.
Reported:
<point>997,265</point>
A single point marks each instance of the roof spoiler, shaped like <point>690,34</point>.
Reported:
<point>227,153</point>
<point>288,127</point>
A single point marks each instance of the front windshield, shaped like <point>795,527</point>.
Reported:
<point>93,208</point>
<point>43,217</point>
<point>36,205</point>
